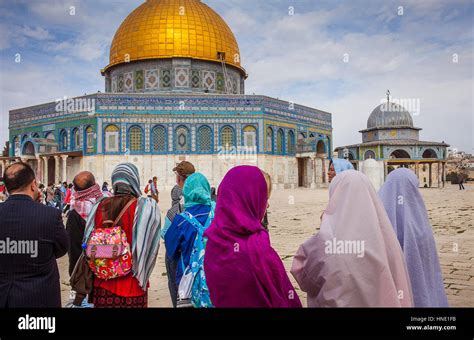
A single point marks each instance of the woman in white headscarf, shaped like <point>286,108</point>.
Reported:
<point>355,260</point>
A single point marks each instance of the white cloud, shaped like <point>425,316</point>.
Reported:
<point>37,33</point>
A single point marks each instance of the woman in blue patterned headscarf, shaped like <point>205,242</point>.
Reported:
<point>181,235</point>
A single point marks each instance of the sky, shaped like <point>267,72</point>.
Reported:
<point>337,56</point>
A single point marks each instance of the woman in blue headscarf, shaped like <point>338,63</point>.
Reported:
<point>180,237</point>
<point>407,212</point>
<point>338,165</point>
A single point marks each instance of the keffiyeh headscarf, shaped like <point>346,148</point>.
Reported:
<point>146,224</point>
<point>83,201</point>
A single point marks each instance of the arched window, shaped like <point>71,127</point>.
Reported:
<point>16,146</point>
<point>28,149</point>
<point>35,135</point>
<point>400,154</point>
<point>158,138</point>
<point>291,142</point>
<point>205,139</point>
<point>135,139</point>
<point>320,147</point>
<point>76,140</point>
<point>182,139</point>
<point>50,136</point>
<point>311,135</point>
<point>89,139</point>
<point>369,154</point>
<point>429,153</point>
<point>63,140</point>
<point>250,136</point>
<point>269,145</point>
<point>280,142</point>
<point>227,137</point>
<point>111,134</point>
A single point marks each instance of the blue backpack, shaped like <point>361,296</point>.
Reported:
<point>200,293</point>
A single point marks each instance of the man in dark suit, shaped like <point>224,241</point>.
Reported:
<point>32,237</point>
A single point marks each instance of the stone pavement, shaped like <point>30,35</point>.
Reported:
<point>294,217</point>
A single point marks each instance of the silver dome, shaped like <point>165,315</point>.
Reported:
<point>389,115</point>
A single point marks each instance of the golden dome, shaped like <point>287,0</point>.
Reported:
<point>174,28</point>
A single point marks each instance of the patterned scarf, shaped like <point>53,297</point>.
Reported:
<point>83,201</point>
<point>146,224</point>
<point>176,194</point>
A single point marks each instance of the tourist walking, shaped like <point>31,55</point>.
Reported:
<point>147,189</point>
<point>183,170</point>
<point>42,190</point>
<point>407,212</point>
<point>105,187</point>
<point>176,208</point>
<point>242,269</point>
<point>58,197</point>
<point>86,194</point>
<point>154,190</point>
<point>132,223</point>
<point>50,195</point>
<point>197,215</point>
<point>2,190</point>
<point>67,198</point>
<point>461,180</point>
<point>355,259</point>
<point>29,278</point>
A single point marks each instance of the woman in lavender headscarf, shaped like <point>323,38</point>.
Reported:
<point>407,212</point>
<point>242,269</point>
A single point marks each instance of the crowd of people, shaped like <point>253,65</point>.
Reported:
<point>372,249</point>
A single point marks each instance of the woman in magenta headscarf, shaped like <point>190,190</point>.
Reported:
<point>242,269</point>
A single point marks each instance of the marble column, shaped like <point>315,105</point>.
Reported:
<point>39,169</point>
<point>56,170</point>
<point>443,173</point>
<point>313,175</point>
<point>64,173</point>
<point>45,172</point>
<point>324,174</point>
<point>2,164</point>
<point>430,176</point>
<point>438,174</point>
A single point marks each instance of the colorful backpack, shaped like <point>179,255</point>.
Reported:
<point>200,297</point>
<point>108,251</point>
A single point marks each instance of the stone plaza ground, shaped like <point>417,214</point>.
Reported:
<point>294,217</point>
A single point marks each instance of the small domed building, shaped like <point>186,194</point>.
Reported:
<point>174,90</point>
<point>392,139</point>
